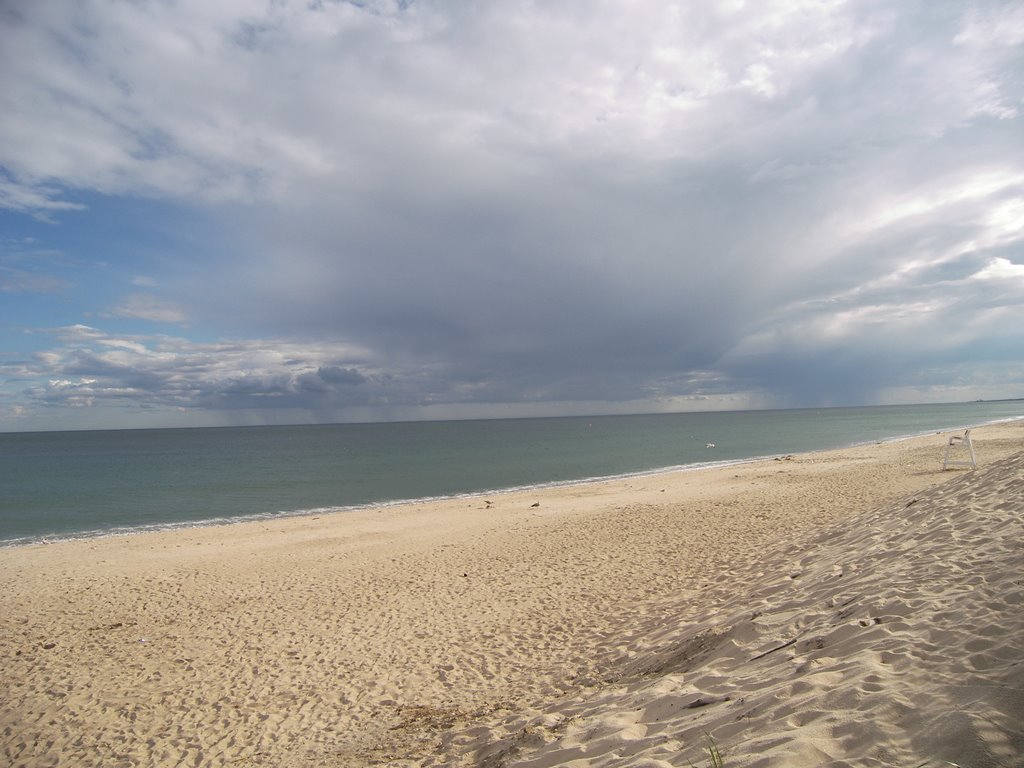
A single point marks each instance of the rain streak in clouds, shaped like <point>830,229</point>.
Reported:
<point>261,212</point>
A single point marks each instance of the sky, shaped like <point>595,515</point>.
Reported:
<point>292,211</point>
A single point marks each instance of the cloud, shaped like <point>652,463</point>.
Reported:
<point>20,281</point>
<point>1000,269</point>
<point>337,91</point>
<point>37,199</point>
<point>91,367</point>
<point>144,306</point>
<point>27,269</point>
<point>517,203</point>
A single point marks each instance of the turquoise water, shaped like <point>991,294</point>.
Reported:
<point>65,484</point>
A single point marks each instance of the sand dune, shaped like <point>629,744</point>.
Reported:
<point>855,607</point>
<point>895,638</point>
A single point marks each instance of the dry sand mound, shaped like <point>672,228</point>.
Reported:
<point>895,638</point>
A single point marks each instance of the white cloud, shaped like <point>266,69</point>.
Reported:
<point>125,98</point>
<point>939,194</point>
<point>1000,269</point>
<point>143,306</point>
<point>38,199</point>
<point>998,26</point>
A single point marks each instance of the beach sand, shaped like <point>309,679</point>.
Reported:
<point>846,608</point>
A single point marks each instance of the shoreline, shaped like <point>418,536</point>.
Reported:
<point>93,534</point>
<point>347,638</point>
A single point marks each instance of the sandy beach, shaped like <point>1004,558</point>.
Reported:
<point>853,607</point>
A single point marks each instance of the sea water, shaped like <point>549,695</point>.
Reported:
<point>71,484</point>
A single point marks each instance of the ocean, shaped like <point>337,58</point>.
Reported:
<point>79,484</point>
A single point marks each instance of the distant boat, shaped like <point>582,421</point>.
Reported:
<point>710,445</point>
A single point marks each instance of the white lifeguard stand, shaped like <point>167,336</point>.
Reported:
<point>962,450</point>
